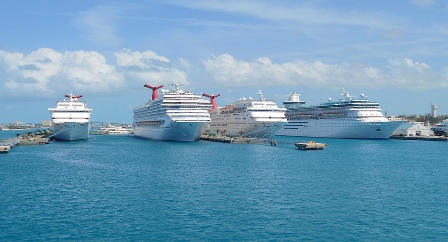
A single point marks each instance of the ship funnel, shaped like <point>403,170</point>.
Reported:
<point>154,90</point>
<point>72,97</point>
<point>212,99</point>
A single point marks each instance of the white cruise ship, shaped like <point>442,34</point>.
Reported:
<point>247,117</point>
<point>71,119</point>
<point>349,117</point>
<point>174,116</point>
<point>116,129</point>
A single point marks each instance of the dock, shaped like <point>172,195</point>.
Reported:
<point>311,145</point>
<point>97,132</point>
<point>424,138</point>
<point>35,138</point>
<point>25,141</point>
<point>10,142</point>
<point>222,139</point>
<point>38,137</point>
<point>34,141</point>
<point>246,140</point>
<point>235,140</point>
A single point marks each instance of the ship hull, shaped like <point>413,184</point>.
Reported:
<point>172,131</point>
<point>337,128</point>
<point>71,131</point>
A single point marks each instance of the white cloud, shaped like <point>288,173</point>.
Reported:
<point>185,63</point>
<point>304,13</point>
<point>228,71</point>
<point>98,25</point>
<point>88,70</point>
<point>45,72</point>
<point>406,62</point>
<point>142,60</point>
<point>412,75</point>
<point>225,70</point>
<point>149,67</point>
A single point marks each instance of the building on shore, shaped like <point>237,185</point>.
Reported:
<point>434,110</point>
<point>46,123</point>
<point>413,129</point>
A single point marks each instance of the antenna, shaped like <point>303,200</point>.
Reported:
<point>261,95</point>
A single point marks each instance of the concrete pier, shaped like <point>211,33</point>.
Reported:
<point>34,141</point>
<point>10,142</point>
<point>424,138</point>
<point>35,138</point>
<point>235,140</point>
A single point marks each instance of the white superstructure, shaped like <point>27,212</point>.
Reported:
<point>176,115</point>
<point>349,117</point>
<point>116,129</point>
<point>71,119</point>
<point>441,128</point>
<point>247,117</point>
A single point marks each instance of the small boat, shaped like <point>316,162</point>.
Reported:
<point>310,145</point>
<point>4,148</point>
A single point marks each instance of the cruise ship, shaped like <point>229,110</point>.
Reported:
<point>247,117</point>
<point>176,115</point>
<point>71,119</point>
<point>348,117</point>
<point>116,129</point>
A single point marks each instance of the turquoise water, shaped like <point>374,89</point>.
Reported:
<point>124,188</point>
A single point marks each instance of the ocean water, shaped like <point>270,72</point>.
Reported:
<point>115,188</point>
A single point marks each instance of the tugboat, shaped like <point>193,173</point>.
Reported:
<point>310,145</point>
<point>4,148</point>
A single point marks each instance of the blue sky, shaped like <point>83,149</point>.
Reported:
<point>395,52</point>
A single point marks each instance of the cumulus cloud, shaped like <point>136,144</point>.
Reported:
<point>149,67</point>
<point>142,60</point>
<point>414,75</point>
<point>45,71</point>
<point>225,70</point>
<point>88,70</point>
